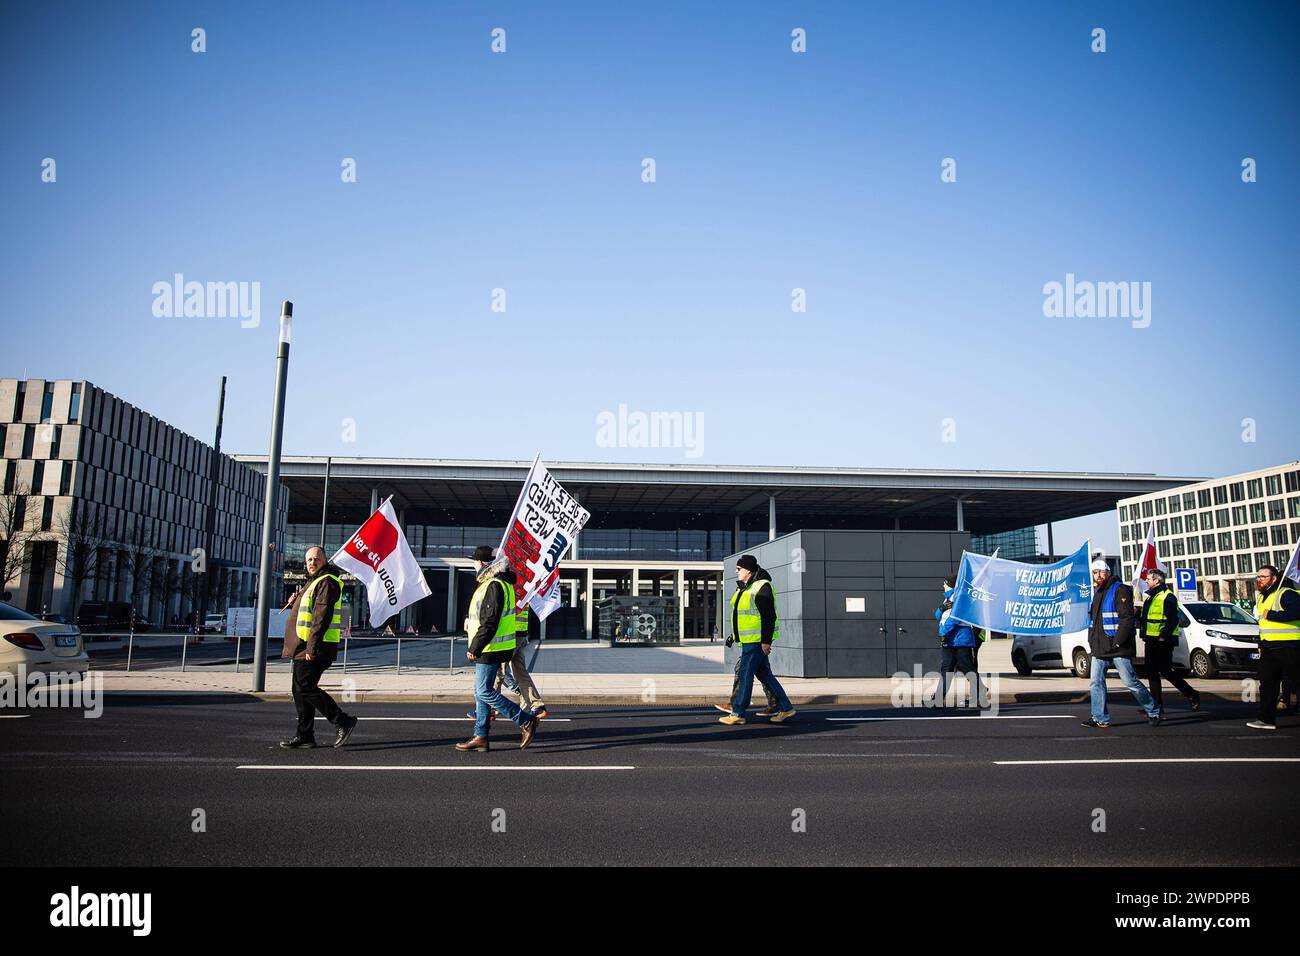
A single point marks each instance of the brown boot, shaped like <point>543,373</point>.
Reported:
<point>529,730</point>
<point>474,743</point>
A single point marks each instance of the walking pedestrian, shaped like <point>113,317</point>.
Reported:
<point>1158,619</point>
<point>1277,608</point>
<point>311,641</point>
<point>1112,639</point>
<point>491,629</point>
<point>958,643</point>
<point>754,624</point>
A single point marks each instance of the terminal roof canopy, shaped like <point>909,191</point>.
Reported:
<point>675,496</point>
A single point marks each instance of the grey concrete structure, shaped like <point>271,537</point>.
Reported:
<point>81,465</point>
<point>854,603</point>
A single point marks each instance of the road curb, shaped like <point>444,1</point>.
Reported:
<point>691,700</point>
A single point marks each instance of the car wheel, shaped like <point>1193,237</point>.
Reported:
<point>1021,664</point>
<point>1202,664</point>
<point>1082,665</point>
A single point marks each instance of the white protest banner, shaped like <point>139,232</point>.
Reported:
<point>546,519</point>
<point>378,555</point>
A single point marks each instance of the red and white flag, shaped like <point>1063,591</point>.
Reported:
<point>378,555</point>
<point>1147,561</point>
<point>545,521</point>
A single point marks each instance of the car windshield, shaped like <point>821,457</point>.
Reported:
<point>1219,614</point>
<point>10,613</point>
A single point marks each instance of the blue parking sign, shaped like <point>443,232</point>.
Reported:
<point>1184,579</point>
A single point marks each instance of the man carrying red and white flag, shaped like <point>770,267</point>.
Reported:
<point>1147,561</point>
<point>377,555</point>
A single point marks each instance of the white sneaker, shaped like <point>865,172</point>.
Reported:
<point>1260,725</point>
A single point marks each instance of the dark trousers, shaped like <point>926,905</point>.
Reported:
<point>1275,659</point>
<point>309,698</point>
<point>1160,663</point>
<point>961,659</point>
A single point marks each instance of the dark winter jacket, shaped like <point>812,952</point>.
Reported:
<point>1124,643</point>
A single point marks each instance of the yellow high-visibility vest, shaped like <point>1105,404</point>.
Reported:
<point>1275,630</point>
<point>503,639</point>
<point>1157,612</point>
<point>749,623</point>
<point>305,611</point>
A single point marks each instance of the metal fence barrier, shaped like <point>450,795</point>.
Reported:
<point>187,637</point>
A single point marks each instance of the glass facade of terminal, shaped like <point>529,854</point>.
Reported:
<point>1019,545</point>
<point>603,544</point>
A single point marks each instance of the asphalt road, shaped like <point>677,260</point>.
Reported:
<point>653,785</point>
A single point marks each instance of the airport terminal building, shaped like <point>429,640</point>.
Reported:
<point>69,450</point>
<point>662,529</point>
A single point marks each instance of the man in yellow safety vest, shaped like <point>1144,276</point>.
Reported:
<point>1277,608</point>
<point>490,628</point>
<point>311,641</point>
<point>754,625</point>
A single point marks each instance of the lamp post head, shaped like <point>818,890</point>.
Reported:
<point>286,321</point>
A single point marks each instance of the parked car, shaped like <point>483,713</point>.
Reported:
<point>104,616</point>
<point>27,641</point>
<point>214,623</point>
<point>1216,636</point>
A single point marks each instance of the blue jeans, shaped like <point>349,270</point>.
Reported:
<point>754,663</point>
<point>1124,665</point>
<point>487,698</point>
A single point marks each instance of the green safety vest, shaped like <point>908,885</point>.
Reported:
<point>504,637</point>
<point>1157,612</point>
<point>521,621</point>
<point>1275,630</point>
<point>749,623</point>
<point>305,611</point>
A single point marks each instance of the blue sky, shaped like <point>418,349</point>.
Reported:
<point>775,171</point>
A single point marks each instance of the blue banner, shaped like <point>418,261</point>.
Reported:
<point>1017,598</point>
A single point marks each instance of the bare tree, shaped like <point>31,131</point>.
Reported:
<point>165,583</point>
<point>82,536</point>
<point>15,555</point>
<point>138,561</point>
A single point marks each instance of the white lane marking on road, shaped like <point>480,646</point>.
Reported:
<point>946,717</point>
<point>1026,763</point>
<point>12,716</point>
<point>454,767</point>
<point>549,720</point>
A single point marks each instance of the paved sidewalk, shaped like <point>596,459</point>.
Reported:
<point>587,673</point>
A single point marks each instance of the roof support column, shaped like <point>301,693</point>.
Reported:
<point>771,517</point>
<point>452,625</point>
<point>961,518</point>
<point>679,588</point>
<point>590,599</point>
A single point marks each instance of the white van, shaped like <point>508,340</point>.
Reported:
<point>1216,636</point>
<point>1031,652</point>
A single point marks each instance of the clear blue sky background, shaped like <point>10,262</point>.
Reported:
<point>775,171</point>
